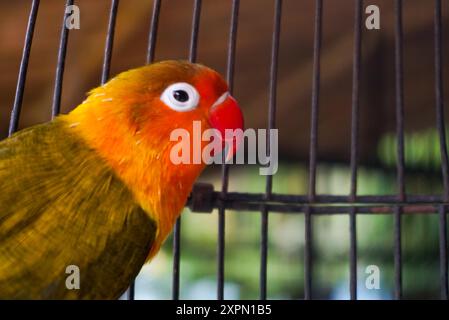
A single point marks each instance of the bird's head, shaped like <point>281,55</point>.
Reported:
<point>131,118</point>
<point>180,94</point>
<point>152,102</point>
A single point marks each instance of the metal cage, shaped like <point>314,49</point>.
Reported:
<point>204,198</point>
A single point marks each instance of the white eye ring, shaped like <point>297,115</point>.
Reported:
<point>180,96</point>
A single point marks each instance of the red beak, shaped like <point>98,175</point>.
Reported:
<point>225,115</point>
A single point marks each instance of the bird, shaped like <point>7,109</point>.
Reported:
<point>96,188</point>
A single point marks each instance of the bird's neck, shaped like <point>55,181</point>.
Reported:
<point>143,163</point>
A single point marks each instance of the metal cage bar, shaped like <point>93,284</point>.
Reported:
<point>272,104</point>
<point>439,105</point>
<point>109,41</point>
<point>313,147</point>
<point>17,106</point>
<point>152,36</point>
<point>443,252</point>
<point>60,65</point>
<point>325,199</point>
<point>225,168</point>
<point>357,57</point>
<point>177,230</point>
<point>400,161</point>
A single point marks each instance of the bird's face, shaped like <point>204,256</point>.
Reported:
<point>129,122</point>
<point>174,95</point>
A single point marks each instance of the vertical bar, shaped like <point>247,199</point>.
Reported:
<point>153,31</point>
<point>313,147</point>
<point>399,79</point>
<point>439,97</point>
<point>221,243</point>
<point>109,41</point>
<point>315,99</point>
<point>225,167</point>
<point>232,44</point>
<point>439,103</point>
<point>354,146</point>
<point>308,254</point>
<point>400,163</point>
<point>271,125</point>
<point>56,106</point>
<point>353,254</point>
<point>443,252</point>
<point>355,96</point>
<point>263,254</point>
<point>397,252</point>
<point>195,30</point>
<point>177,231</point>
<point>176,259</point>
<point>17,106</point>
<point>131,291</point>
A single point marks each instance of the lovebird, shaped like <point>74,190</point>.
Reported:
<point>97,188</point>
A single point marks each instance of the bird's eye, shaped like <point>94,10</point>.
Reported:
<point>181,96</point>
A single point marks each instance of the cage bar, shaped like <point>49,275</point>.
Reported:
<point>109,41</point>
<point>357,57</point>
<point>313,147</point>
<point>400,161</point>
<point>18,99</point>
<point>412,199</point>
<point>271,125</point>
<point>62,52</point>
<point>225,168</point>
<point>177,230</point>
<point>439,97</point>
<point>195,30</point>
<point>443,252</point>
<point>152,35</point>
<point>439,104</point>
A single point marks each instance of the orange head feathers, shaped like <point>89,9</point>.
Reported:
<point>128,121</point>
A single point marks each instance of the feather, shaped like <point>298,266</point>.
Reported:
<point>61,205</point>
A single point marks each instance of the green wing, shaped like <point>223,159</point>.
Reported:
<point>61,205</point>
